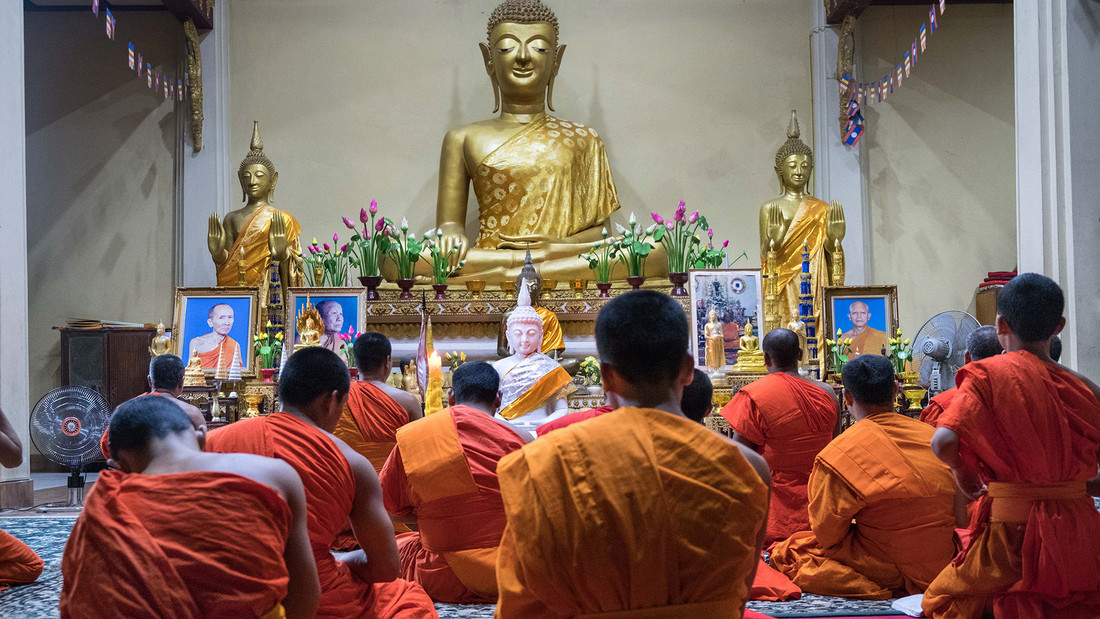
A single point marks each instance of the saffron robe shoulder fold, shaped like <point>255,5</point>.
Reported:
<point>936,406</point>
<point>882,473</point>
<point>638,513</point>
<point>444,471</point>
<point>369,426</point>
<point>1032,429</point>
<point>330,491</point>
<point>201,544</point>
<point>792,419</point>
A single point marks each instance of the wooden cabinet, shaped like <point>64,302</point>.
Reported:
<point>113,361</point>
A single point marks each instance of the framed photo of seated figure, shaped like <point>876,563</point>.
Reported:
<point>341,310</point>
<point>217,325</point>
<point>868,315</point>
<point>723,302</point>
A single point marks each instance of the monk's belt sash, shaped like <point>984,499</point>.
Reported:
<point>458,532</point>
<point>1013,502</point>
<point>716,609</point>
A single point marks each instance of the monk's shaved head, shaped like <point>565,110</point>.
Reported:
<point>475,382</point>
<point>644,336</point>
<point>1032,305</point>
<point>371,350</point>
<point>859,306</point>
<point>698,397</point>
<point>783,348</point>
<point>138,421</point>
<point>311,373</point>
<point>166,372</point>
<point>214,309</point>
<point>870,379</point>
<point>982,343</point>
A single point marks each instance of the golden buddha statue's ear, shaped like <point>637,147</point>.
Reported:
<point>487,55</point>
<point>274,180</point>
<point>554,74</point>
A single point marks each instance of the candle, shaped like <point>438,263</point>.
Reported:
<point>433,396</point>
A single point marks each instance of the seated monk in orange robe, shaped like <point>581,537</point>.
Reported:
<point>788,419</point>
<point>981,344</point>
<point>165,379</point>
<point>1029,430</point>
<point>340,485</point>
<point>373,413</point>
<point>881,474</point>
<point>19,565</point>
<point>181,533</point>
<point>442,477</point>
<point>639,512</point>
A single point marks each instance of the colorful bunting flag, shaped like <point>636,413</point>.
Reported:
<point>95,8</point>
<point>853,108</point>
<point>932,18</point>
<point>906,64</point>
<point>110,24</point>
<point>139,64</point>
<point>852,132</point>
<point>899,74</point>
<point>148,75</point>
<point>179,90</point>
<point>892,82</point>
<point>156,76</point>
<point>943,5</point>
<point>131,56</point>
<point>914,52</point>
<point>845,82</point>
<point>887,81</point>
<point>923,37</point>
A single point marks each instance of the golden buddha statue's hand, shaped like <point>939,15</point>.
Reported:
<point>454,237</point>
<point>216,238</point>
<point>774,230</point>
<point>524,241</point>
<point>834,227</point>
<point>277,241</point>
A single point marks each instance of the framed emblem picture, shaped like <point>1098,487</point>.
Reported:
<point>866,315</point>
<point>216,325</point>
<point>729,298</point>
<point>342,312</point>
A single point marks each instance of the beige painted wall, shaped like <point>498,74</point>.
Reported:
<point>353,98</point>
<point>100,173</point>
<point>942,156</point>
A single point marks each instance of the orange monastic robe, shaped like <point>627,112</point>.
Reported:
<point>637,513</point>
<point>552,338</point>
<point>792,419</point>
<point>19,565</point>
<point>330,492</point>
<point>1033,431</point>
<point>869,342</point>
<point>369,426</point>
<point>444,470</point>
<point>936,406</point>
<point>881,473</point>
<point>198,544</point>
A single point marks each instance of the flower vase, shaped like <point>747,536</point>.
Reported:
<point>440,291</point>
<point>371,283</point>
<point>405,284</point>
<point>603,287</point>
<point>635,281</point>
<point>678,280</point>
<point>354,373</point>
<point>267,373</point>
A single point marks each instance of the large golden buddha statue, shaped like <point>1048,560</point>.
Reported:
<point>540,181</point>
<point>796,219</point>
<point>257,239</point>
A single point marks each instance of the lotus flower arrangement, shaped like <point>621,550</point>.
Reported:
<point>600,258</point>
<point>368,246</point>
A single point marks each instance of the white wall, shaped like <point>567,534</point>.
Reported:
<point>941,156</point>
<point>691,98</point>
<point>100,174</point>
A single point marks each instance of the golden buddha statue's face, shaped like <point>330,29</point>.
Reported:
<point>257,182</point>
<point>795,172</point>
<point>712,316</point>
<point>523,58</point>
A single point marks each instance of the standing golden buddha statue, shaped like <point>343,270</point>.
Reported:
<point>257,244</point>
<point>540,182</point>
<point>796,219</point>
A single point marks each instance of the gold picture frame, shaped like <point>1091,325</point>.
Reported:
<point>345,297</point>
<point>738,296</point>
<point>882,319</point>
<point>192,317</point>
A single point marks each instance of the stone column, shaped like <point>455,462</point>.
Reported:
<point>16,489</point>
<point>206,179</point>
<point>840,170</point>
<point>1057,81</point>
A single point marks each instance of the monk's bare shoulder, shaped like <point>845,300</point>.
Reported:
<point>356,460</point>
<point>755,460</point>
<point>826,386</point>
<point>1085,379</point>
<point>270,472</point>
<point>404,398</point>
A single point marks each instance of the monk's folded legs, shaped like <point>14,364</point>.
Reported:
<point>19,565</point>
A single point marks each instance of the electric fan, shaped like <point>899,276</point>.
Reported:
<point>66,426</point>
<point>939,349</point>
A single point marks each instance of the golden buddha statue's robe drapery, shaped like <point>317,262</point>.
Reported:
<point>257,255</point>
<point>552,338</point>
<point>551,178</point>
<point>807,228</point>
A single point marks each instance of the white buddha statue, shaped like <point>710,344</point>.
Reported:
<point>533,385</point>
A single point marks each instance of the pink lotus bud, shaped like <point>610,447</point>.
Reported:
<point>373,207</point>
<point>680,210</point>
<point>326,247</point>
<point>710,233</point>
<point>363,217</point>
<point>347,222</point>
<point>366,234</point>
<point>724,244</point>
<point>657,218</point>
<point>344,248</point>
<point>670,225</point>
<point>335,239</point>
<point>311,249</point>
<point>381,224</point>
<point>694,217</point>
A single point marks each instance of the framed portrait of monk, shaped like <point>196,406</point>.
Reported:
<point>217,326</point>
<point>340,309</point>
<point>867,315</point>
<point>723,302</point>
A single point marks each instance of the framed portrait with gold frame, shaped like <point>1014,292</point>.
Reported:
<point>868,315</point>
<point>218,324</point>
<point>735,296</point>
<point>340,309</point>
